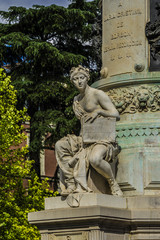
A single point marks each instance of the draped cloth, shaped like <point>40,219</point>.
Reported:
<point>73,156</point>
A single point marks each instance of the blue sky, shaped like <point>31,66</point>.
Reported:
<point>5,4</point>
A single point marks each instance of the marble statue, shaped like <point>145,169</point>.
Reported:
<point>74,156</point>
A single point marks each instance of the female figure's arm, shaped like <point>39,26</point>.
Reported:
<point>105,109</point>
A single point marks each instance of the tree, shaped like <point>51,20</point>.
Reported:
<point>96,32</point>
<point>42,44</point>
<point>15,200</point>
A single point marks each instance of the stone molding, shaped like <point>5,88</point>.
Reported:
<point>138,131</point>
<point>139,219</point>
<point>143,98</point>
<point>121,80</point>
<point>68,236</point>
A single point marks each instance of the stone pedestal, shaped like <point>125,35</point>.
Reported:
<point>136,96</point>
<point>135,92</point>
<point>100,217</point>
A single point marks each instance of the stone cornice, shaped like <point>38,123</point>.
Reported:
<point>127,80</point>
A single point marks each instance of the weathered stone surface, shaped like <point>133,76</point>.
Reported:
<point>143,202</point>
<point>88,199</point>
<point>44,236</point>
<point>124,46</point>
<point>126,80</point>
<point>134,218</point>
<point>101,130</point>
<point>138,168</point>
<point>97,182</point>
<point>68,236</point>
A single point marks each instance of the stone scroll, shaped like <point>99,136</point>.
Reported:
<point>124,42</point>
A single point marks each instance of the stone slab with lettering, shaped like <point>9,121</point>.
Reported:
<point>102,129</point>
<point>124,41</point>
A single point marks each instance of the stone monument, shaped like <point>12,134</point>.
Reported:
<point>130,76</point>
<point>127,56</point>
<point>96,145</point>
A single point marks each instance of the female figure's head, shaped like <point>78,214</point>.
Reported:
<point>79,77</point>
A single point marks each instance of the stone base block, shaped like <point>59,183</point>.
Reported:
<point>100,217</point>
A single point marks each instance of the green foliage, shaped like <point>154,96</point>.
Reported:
<point>47,42</point>
<point>15,200</point>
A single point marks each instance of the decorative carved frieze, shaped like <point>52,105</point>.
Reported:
<point>144,98</point>
<point>138,132</point>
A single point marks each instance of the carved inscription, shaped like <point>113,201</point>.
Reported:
<point>122,45</point>
<point>122,34</point>
<point>126,13</point>
<point>123,39</point>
